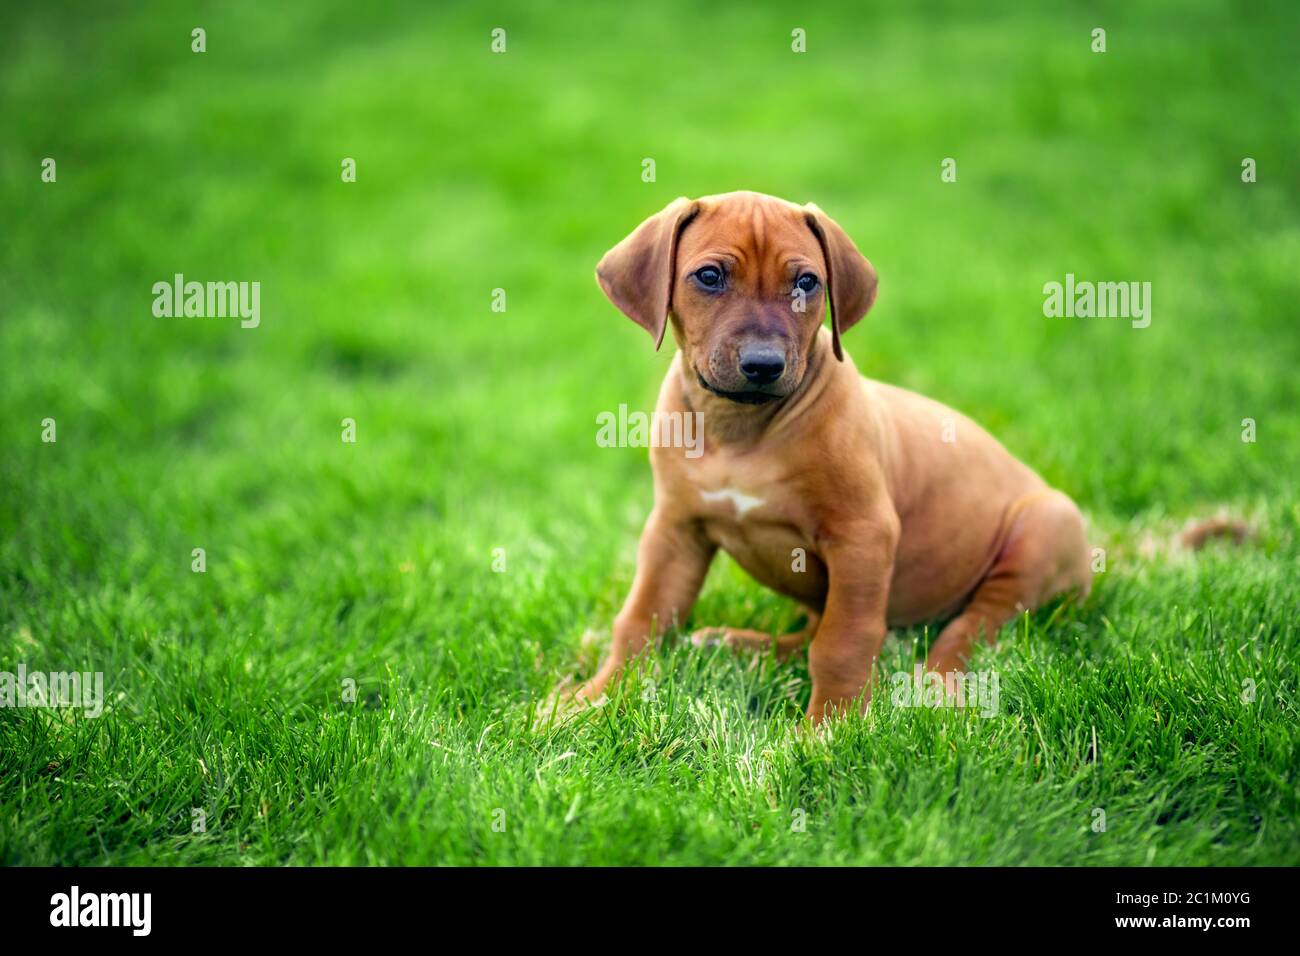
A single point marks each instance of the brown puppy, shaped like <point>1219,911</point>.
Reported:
<point>869,504</point>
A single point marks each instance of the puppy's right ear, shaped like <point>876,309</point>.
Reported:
<point>638,273</point>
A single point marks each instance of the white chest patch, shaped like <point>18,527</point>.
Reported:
<point>741,501</point>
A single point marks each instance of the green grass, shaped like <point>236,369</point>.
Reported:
<point>372,561</point>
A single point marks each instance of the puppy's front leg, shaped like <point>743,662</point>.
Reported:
<point>859,564</point>
<point>672,560</point>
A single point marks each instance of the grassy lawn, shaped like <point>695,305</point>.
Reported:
<point>1168,702</point>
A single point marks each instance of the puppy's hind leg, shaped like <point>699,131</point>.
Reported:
<point>741,639</point>
<point>1045,554</point>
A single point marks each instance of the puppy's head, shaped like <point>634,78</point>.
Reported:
<point>746,280</point>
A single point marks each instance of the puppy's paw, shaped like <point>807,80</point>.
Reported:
<point>742,640</point>
<point>561,703</point>
<point>709,637</point>
<point>565,702</point>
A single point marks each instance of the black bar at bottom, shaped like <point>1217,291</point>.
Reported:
<point>338,906</point>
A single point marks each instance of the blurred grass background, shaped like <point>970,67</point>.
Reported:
<point>476,429</point>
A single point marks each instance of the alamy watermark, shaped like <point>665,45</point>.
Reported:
<point>1102,300</point>
<point>130,910</point>
<point>53,689</point>
<point>212,300</point>
<point>976,690</point>
<point>626,429</point>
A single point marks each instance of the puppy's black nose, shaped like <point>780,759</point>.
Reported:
<point>762,365</point>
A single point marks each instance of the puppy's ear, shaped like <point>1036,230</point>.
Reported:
<point>638,273</point>
<point>850,278</point>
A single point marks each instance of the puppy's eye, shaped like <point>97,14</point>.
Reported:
<point>710,277</point>
<point>807,282</point>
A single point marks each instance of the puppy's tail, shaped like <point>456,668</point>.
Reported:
<point>1196,533</point>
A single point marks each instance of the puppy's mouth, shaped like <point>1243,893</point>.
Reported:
<point>743,398</point>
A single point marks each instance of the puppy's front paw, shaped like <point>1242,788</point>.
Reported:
<point>564,702</point>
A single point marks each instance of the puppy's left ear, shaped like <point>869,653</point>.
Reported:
<point>850,278</point>
<point>638,273</point>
